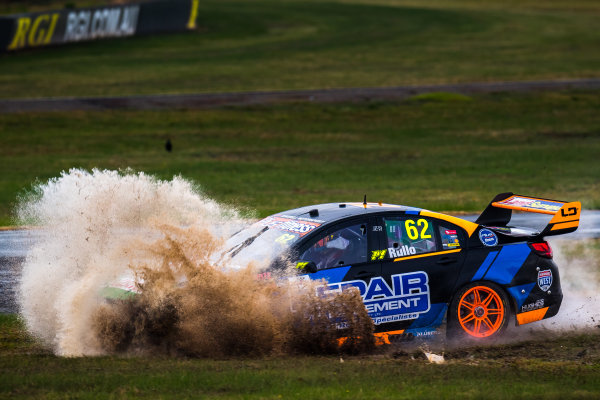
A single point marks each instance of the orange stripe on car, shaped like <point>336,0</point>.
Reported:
<point>384,337</point>
<point>468,226</point>
<point>531,316</point>
<point>381,338</point>
<point>437,253</point>
<point>565,225</point>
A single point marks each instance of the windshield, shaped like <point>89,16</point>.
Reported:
<point>268,239</point>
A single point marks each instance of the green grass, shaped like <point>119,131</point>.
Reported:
<point>552,367</point>
<point>440,151</point>
<point>540,365</point>
<point>274,45</point>
<point>437,152</point>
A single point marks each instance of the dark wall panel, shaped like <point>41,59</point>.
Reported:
<point>22,31</point>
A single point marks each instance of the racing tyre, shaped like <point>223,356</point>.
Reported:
<point>479,313</point>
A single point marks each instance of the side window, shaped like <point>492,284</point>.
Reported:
<point>409,236</point>
<point>450,238</point>
<point>342,247</point>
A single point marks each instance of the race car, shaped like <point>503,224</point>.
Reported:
<point>420,271</point>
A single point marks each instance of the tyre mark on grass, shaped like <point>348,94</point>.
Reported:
<point>215,100</point>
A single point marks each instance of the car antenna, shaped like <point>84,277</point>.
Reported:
<point>365,202</point>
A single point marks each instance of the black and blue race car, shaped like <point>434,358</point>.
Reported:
<point>419,271</point>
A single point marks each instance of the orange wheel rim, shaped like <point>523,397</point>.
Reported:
<point>480,311</point>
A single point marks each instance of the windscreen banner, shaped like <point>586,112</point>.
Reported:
<point>24,31</point>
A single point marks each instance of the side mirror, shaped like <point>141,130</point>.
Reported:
<point>306,267</point>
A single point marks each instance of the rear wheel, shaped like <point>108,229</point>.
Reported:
<point>479,312</point>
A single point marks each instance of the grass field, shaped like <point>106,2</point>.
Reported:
<point>535,363</point>
<point>442,152</point>
<point>556,367</point>
<point>273,45</point>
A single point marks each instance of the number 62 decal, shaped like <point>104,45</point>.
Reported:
<point>413,232</point>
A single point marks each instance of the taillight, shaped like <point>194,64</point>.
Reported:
<point>542,249</point>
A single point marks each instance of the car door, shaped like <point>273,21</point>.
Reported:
<point>420,258</point>
<point>342,254</point>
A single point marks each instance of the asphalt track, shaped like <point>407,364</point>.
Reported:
<point>215,100</point>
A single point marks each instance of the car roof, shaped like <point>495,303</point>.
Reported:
<point>335,211</point>
<point>330,212</point>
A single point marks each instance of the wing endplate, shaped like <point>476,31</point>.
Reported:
<point>565,220</point>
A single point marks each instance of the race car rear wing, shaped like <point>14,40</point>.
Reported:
<point>565,214</point>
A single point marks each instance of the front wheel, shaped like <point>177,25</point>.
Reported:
<point>479,312</point>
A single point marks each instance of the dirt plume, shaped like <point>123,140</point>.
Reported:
<point>579,267</point>
<point>100,225</point>
<point>192,306</point>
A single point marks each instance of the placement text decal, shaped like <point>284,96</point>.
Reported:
<point>405,299</point>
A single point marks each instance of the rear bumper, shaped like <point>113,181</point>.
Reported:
<point>554,300</point>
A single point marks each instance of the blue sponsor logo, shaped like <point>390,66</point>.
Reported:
<point>407,298</point>
<point>488,237</point>
<point>545,280</point>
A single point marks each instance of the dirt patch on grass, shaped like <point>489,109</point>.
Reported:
<point>215,100</point>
